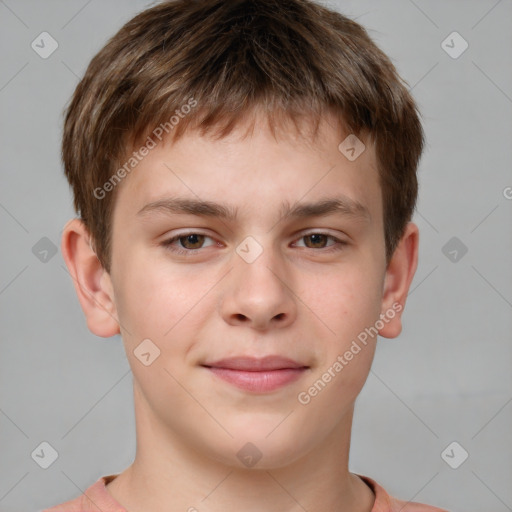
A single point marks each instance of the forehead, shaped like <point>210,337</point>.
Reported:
<point>251,167</point>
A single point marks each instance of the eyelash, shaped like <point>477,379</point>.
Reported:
<point>167,244</point>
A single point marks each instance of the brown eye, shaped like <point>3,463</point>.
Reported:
<point>318,240</point>
<point>324,242</point>
<point>192,241</point>
<point>187,244</point>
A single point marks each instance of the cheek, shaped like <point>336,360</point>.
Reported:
<point>155,297</point>
<point>349,306</point>
<point>347,302</point>
<point>155,304</point>
<point>330,394</point>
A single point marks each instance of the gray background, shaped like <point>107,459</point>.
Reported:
<point>446,378</point>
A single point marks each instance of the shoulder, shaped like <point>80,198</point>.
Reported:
<point>96,496</point>
<point>412,506</point>
<point>386,503</point>
<point>74,505</point>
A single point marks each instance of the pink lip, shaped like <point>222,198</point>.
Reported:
<point>258,375</point>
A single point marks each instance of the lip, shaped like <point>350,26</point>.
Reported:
<point>255,364</point>
<point>257,374</point>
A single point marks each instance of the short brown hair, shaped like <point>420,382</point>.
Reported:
<point>291,58</point>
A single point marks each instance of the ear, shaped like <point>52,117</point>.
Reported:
<point>397,280</point>
<point>92,282</point>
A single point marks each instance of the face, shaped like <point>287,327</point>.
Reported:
<point>244,249</point>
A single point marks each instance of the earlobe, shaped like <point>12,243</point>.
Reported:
<point>397,280</point>
<point>92,283</point>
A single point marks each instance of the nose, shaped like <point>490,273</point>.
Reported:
<point>259,294</point>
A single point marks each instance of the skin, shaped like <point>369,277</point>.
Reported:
<point>297,299</point>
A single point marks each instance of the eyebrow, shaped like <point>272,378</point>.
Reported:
<point>329,206</point>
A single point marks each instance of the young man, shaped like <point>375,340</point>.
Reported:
<point>245,175</point>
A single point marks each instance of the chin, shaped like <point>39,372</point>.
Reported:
<point>268,448</point>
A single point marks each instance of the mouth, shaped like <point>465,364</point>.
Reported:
<point>258,375</point>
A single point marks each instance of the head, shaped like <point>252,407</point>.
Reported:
<point>246,105</point>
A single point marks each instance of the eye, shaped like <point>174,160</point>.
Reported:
<point>190,241</point>
<point>319,241</point>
